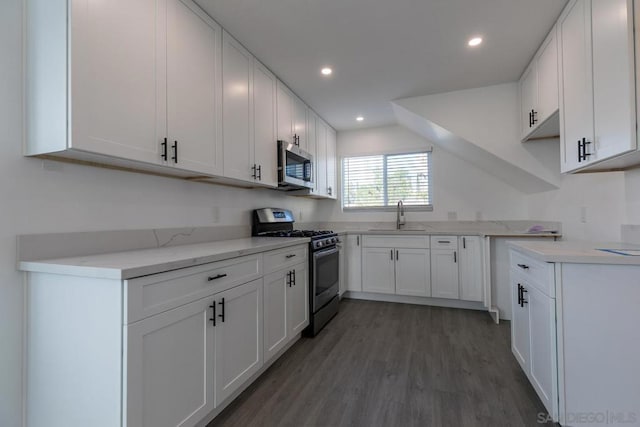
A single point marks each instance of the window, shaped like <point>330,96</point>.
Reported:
<point>371,182</point>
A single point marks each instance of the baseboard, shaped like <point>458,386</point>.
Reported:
<point>436,302</point>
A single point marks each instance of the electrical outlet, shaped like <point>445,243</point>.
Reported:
<point>452,216</point>
<point>583,214</point>
<point>299,215</point>
<point>478,216</point>
<point>215,214</point>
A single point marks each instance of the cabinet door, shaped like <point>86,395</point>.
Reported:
<point>547,66</point>
<point>298,300</point>
<point>322,189</point>
<point>413,272</point>
<point>331,163</point>
<point>378,270</point>
<point>238,337</point>
<point>264,124</point>
<point>528,97</point>
<point>613,78</point>
<point>118,89</point>
<point>444,279</point>
<point>275,312</point>
<point>354,263</point>
<point>470,269</point>
<point>576,121</point>
<point>543,357</point>
<point>194,88</point>
<point>300,123</point>
<point>284,101</point>
<point>237,88</point>
<point>169,367</point>
<point>519,324</point>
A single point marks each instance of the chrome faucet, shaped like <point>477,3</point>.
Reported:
<point>400,215</point>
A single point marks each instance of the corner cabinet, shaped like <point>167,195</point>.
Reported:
<point>163,109</point>
<point>597,85</point>
<point>164,350</point>
<point>539,93</point>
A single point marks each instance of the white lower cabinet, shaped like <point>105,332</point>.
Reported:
<point>533,326</point>
<point>238,337</point>
<point>286,307</point>
<point>354,263</point>
<point>445,279</point>
<point>164,350</point>
<point>378,273</point>
<point>170,372</point>
<point>519,325</point>
<point>413,272</point>
<point>396,265</point>
<point>470,268</point>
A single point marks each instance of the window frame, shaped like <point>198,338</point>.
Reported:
<point>408,208</point>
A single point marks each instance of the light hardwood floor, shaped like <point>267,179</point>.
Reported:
<point>384,364</point>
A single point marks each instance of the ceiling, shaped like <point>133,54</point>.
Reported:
<point>383,50</point>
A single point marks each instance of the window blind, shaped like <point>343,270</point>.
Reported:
<point>380,181</point>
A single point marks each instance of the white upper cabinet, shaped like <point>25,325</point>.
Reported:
<point>332,190</point>
<point>118,86</point>
<point>249,103</point>
<point>312,146</point>
<point>284,101</point>
<point>300,123</point>
<point>193,89</point>
<point>237,88</point>
<point>150,92</point>
<point>597,85</point>
<point>264,125</point>
<point>539,92</point>
<point>320,160</point>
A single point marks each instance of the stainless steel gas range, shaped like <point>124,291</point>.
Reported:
<point>323,262</point>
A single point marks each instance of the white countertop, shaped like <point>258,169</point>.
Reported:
<point>130,264</point>
<point>577,252</point>
<point>422,232</point>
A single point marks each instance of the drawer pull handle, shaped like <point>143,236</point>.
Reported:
<point>523,266</point>
<point>290,256</point>
<point>444,241</point>
<point>216,277</point>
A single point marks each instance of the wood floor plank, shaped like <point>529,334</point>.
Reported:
<point>385,364</point>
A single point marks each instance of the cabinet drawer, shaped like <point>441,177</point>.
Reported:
<point>282,258</point>
<point>536,273</point>
<point>444,242</point>
<point>154,294</point>
<point>418,242</point>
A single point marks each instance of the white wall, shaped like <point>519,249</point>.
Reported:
<point>602,197</point>
<point>40,197</point>
<point>457,185</point>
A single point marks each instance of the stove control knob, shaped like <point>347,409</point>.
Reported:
<point>333,240</point>
<point>319,244</point>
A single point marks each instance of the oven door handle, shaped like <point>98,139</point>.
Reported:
<point>325,252</point>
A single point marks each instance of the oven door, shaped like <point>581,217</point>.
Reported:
<point>325,279</point>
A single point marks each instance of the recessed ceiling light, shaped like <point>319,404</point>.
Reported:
<point>475,41</point>
<point>359,118</point>
<point>326,71</point>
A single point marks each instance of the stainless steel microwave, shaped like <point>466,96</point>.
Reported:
<point>295,167</point>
